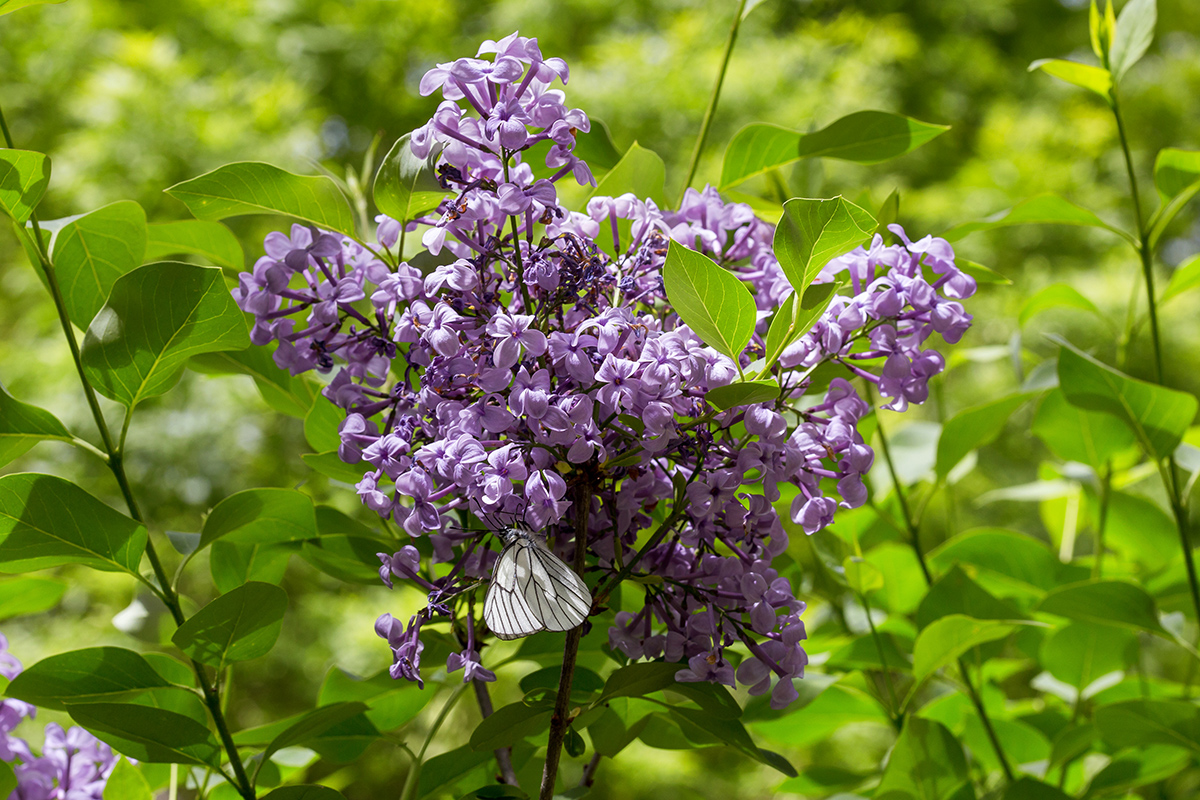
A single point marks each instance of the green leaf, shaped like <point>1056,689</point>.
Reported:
<point>156,318</point>
<point>812,232</point>
<point>1074,434</point>
<point>1072,742</point>
<point>710,300</point>
<point>974,427</point>
<point>288,394</point>
<point>93,251</point>
<point>448,767</point>
<point>125,782</point>
<point>204,238</point>
<point>832,710</point>
<point>1185,278</point>
<point>321,427</point>
<point>348,558</point>
<point>406,186</point>
<point>306,792</point>
<point>312,725</point>
<point>1137,723</point>
<point>610,735</point>
<point>790,322</point>
<point>982,274</point>
<point>9,6</point>
<point>24,176</point>
<point>926,762</point>
<point>331,466</point>
<point>1027,788</point>
<point>1140,530</point>
<point>149,734</point>
<point>864,137</point>
<point>1177,178</point>
<point>713,698</point>
<point>945,639</point>
<point>261,516</point>
<point>232,564</point>
<point>1097,79</point>
<point>1133,35</point>
<point>237,626</point>
<point>1175,172</point>
<point>638,680</point>
<point>1157,416</point>
<point>863,653</point>
<point>639,171</point>
<point>743,393</point>
<point>585,680</point>
<point>20,596</point>
<point>46,521</point>
<point>1130,769</point>
<point>1081,652</point>
<point>861,576</point>
<point>732,733</point>
<point>1018,557</point>
<point>1042,209</point>
<point>95,674</point>
<point>508,725</point>
<point>22,426</point>
<point>252,187</point>
<point>1057,295</point>
<point>596,148</point>
<point>955,593</point>
<point>1105,602</point>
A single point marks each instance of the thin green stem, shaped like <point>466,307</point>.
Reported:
<point>1143,240</point>
<point>116,466</point>
<point>914,532</point>
<point>1105,493</point>
<point>712,101</point>
<point>414,771</point>
<point>1170,472</point>
<point>894,707</point>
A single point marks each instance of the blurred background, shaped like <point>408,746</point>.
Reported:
<point>131,96</point>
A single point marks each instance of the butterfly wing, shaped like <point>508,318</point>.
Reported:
<point>553,592</point>
<point>505,609</point>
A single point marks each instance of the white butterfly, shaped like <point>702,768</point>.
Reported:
<point>532,589</point>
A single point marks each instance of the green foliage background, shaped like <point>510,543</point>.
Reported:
<point>132,97</point>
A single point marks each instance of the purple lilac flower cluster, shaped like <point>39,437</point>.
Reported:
<point>536,351</point>
<point>74,765</point>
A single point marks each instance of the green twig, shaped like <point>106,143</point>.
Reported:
<point>894,710</point>
<point>711,110</point>
<point>166,593</point>
<point>414,770</point>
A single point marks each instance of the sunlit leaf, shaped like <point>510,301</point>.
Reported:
<point>926,761</point>
<point>406,186</point>
<point>261,516</point>
<point>237,626</point>
<point>1043,209</point>
<point>156,318</point>
<point>1056,295</point>
<point>973,428</point>
<point>1133,35</point>
<point>46,521</point>
<point>92,251</point>
<point>812,232</point>
<point>92,675</point>
<point>24,174</point>
<point>149,734</point>
<point>1158,416</point>
<point>1137,723</point>
<point>1105,602</point>
<point>252,187</point>
<point>210,240</point>
<point>639,171</point>
<point>23,425</point>
<point>1097,79</point>
<point>864,137</point>
<point>1074,434</point>
<point>710,300</point>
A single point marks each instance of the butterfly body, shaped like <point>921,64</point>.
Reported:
<point>532,589</point>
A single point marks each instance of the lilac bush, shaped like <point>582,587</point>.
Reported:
<point>74,765</point>
<point>541,353</point>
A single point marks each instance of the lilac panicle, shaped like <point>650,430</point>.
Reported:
<point>543,345</point>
